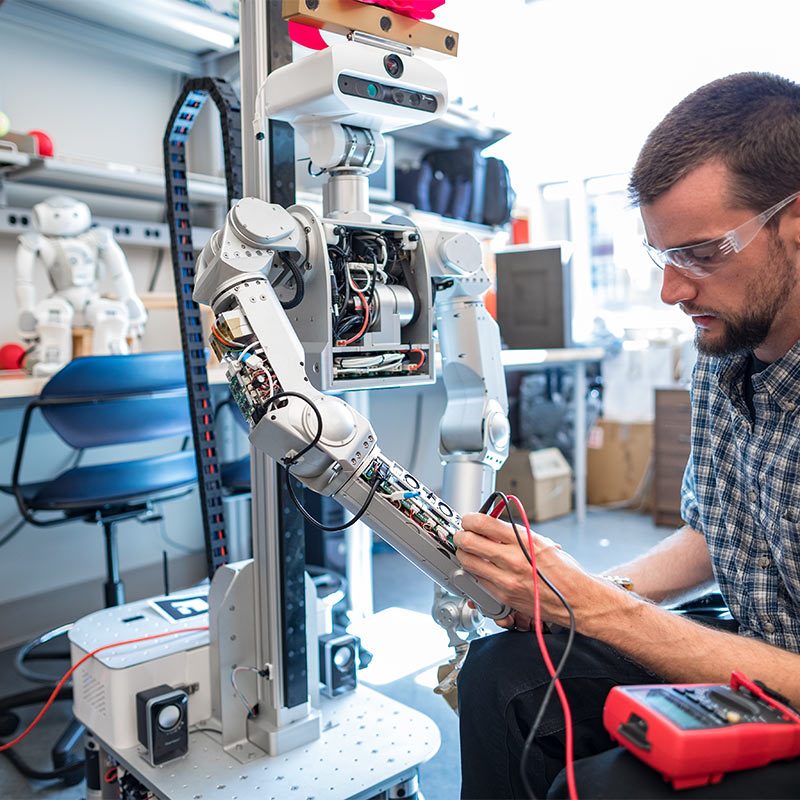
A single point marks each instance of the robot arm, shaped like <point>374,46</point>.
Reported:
<point>324,442</point>
<point>31,246</point>
<point>112,257</point>
<point>474,432</point>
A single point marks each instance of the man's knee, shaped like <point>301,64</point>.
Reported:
<point>499,667</point>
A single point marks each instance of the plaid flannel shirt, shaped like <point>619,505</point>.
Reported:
<point>741,489</point>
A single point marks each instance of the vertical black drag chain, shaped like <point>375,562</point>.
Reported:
<point>194,95</point>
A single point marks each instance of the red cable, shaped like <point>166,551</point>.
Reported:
<point>415,367</point>
<point>68,674</point>
<point>537,624</point>
<point>366,318</point>
<point>217,335</point>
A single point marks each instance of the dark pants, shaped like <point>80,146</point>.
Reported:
<point>617,775</point>
<point>501,687</point>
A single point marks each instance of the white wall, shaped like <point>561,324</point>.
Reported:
<point>587,80</point>
<point>106,109</point>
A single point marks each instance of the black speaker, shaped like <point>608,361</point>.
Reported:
<point>338,662</point>
<point>162,723</point>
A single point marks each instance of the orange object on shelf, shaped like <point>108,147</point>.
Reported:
<point>490,301</point>
<point>520,230</point>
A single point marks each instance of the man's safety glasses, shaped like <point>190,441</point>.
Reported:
<point>700,260</point>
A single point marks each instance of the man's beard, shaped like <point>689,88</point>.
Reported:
<point>745,332</point>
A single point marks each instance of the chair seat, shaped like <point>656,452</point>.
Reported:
<point>236,475</point>
<point>123,482</point>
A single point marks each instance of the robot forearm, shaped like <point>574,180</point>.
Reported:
<point>326,444</point>
<point>25,288</point>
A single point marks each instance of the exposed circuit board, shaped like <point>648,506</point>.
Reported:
<point>250,375</point>
<point>416,502</point>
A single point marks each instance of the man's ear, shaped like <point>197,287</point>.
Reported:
<point>790,221</point>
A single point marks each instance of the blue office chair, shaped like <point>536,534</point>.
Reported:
<point>98,401</point>
<point>235,475</point>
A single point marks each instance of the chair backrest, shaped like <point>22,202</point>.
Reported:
<point>107,400</point>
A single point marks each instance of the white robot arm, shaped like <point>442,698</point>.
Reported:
<point>111,256</point>
<point>323,441</point>
<point>474,433</point>
<point>31,247</point>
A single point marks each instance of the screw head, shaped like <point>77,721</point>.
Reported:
<point>450,42</point>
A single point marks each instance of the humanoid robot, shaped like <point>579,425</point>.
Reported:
<point>77,258</point>
<point>307,303</point>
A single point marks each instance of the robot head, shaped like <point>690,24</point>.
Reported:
<point>351,94</point>
<point>356,84</point>
<point>62,216</point>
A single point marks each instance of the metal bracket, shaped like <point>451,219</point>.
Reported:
<point>379,41</point>
<point>348,16</point>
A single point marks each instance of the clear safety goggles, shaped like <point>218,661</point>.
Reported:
<point>700,260</point>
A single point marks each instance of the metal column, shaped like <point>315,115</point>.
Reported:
<point>579,456</point>
<point>358,539</point>
<point>286,719</point>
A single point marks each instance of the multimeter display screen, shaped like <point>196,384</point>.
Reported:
<point>672,711</point>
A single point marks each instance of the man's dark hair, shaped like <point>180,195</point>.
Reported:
<point>749,121</point>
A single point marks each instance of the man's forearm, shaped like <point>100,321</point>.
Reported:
<point>677,568</point>
<point>680,650</point>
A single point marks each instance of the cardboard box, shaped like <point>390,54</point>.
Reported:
<point>618,458</point>
<point>542,479</point>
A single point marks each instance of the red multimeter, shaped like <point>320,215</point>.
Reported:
<point>694,733</point>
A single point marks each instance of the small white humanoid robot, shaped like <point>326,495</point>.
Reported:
<point>77,258</point>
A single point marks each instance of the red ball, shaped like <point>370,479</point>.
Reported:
<point>11,356</point>
<point>45,143</point>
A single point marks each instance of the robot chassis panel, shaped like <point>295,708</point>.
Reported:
<point>305,304</point>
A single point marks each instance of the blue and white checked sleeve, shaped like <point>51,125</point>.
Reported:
<point>690,512</point>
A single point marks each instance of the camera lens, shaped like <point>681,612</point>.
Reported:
<point>393,65</point>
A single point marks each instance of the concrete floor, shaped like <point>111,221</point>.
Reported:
<point>403,596</point>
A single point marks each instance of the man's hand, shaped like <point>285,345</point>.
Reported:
<point>489,550</point>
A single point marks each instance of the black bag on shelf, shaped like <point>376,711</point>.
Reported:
<point>461,199</point>
<point>459,183</point>
<point>413,185</point>
<point>463,165</point>
<point>499,197</point>
<point>441,193</point>
<point>424,188</point>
